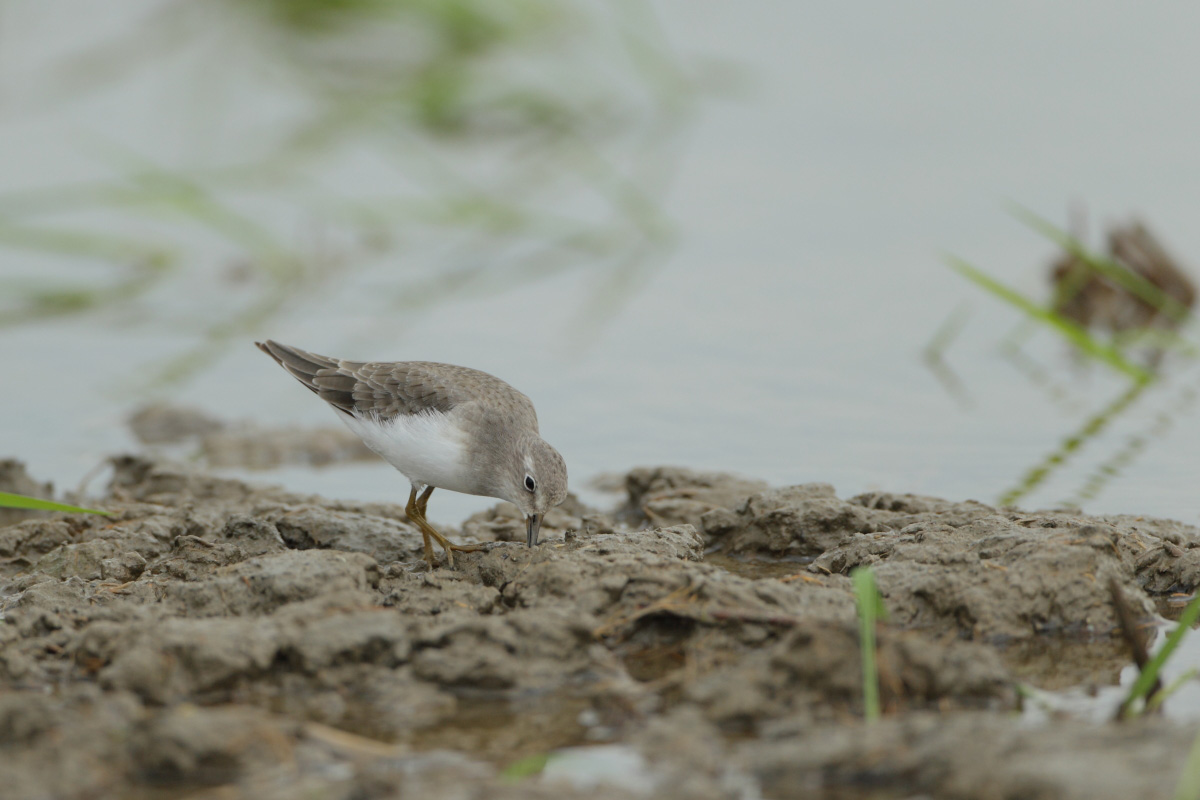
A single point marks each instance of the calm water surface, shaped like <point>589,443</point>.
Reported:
<point>831,160</point>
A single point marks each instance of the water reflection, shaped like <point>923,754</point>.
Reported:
<point>1126,311</point>
<point>1092,426</point>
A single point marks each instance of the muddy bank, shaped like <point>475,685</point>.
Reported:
<point>218,443</point>
<point>698,641</point>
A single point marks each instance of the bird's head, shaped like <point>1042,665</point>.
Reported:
<point>537,482</point>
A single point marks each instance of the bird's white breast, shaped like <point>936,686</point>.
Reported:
<point>428,448</point>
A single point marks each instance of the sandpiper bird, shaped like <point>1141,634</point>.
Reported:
<point>443,427</point>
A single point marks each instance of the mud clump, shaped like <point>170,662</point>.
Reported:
<point>673,495</point>
<point>816,670</point>
<point>214,635</point>
<point>306,527</point>
<point>244,444</point>
<point>166,424</point>
<point>969,755</point>
<point>961,568</point>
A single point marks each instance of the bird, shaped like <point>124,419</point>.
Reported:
<point>443,427</point>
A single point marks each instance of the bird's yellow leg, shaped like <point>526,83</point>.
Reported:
<point>422,503</point>
<point>417,517</point>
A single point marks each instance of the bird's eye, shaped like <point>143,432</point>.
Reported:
<point>530,483</point>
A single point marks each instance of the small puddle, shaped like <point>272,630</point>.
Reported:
<point>1056,663</point>
<point>1171,606</point>
<point>757,569</point>
<point>653,663</point>
<point>1071,687</point>
<point>504,730</point>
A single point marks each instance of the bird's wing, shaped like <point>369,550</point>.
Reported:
<point>389,389</point>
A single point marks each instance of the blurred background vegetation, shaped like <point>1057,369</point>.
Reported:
<point>448,147</point>
<point>1128,311</point>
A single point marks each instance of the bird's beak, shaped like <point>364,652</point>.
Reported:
<point>534,523</point>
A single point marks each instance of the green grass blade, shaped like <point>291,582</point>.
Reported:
<point>947,332</point>
<point>1161,696</point>
<point>1188,787</point>
<point>1156,339</point>
<point>1091,428</point>
<point>870,604</point>
<point>8,500</point>
<point>85,244</point>
<point>525,768</point>
<point>1147,677</point>
<point>1072,332</point>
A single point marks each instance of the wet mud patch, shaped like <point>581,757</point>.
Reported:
<point>501,730</point>
<point>968,755</point>
<point>700,640</point>
<point>786,569</point>
<point>1053,663</point>
<point>960,568</point>
<point>815,670</point>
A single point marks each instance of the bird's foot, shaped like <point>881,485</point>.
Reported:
<point>429,556</point>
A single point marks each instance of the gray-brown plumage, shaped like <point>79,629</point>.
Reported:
<point>442,426</point>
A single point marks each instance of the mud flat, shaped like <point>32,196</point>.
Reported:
<point>223,640</point>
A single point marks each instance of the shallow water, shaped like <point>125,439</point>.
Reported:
<point>781,334</point>
<point>784,569</point>
<point>1058,663</point>
<point>504,730</point>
